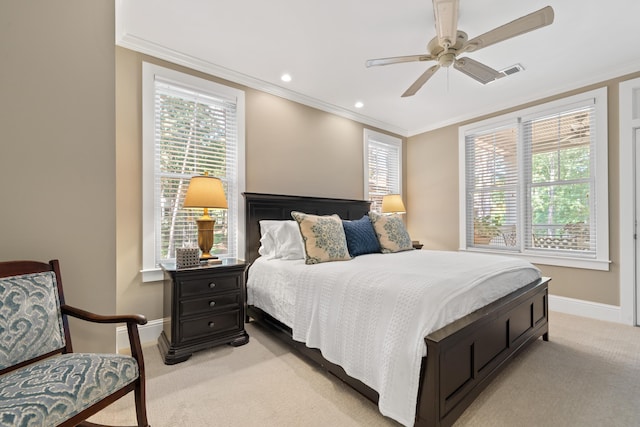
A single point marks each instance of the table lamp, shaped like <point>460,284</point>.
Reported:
<point>205,192</point>
<point>392,203</point>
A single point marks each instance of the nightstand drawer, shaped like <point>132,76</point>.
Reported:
<point>207,285</point>
<point>211,304</point>
<point>210,325</point>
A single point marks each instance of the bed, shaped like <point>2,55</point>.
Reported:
<point>461,357</point>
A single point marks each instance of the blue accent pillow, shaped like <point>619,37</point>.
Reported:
<point>361,237</point>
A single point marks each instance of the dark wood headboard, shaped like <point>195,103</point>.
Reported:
<point>274,206</point>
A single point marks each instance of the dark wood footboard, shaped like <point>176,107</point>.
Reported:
<point>464,356</point>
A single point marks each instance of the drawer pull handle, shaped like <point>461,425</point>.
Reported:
<point>212,303</point>
<point>211,324</point>
<point>212,285</point>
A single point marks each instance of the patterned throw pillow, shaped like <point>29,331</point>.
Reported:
<point>361,238</point>
<point>323,237</point>
<point>392,234</point>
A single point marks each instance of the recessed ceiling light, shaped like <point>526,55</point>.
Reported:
<point>359,104</point>
<point>286,77</point>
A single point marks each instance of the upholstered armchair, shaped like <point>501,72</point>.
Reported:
<point>42,382</point>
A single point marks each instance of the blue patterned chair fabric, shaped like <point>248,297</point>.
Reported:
<point>30,317</point>
<point>42,382</point>
<point>55,389</point>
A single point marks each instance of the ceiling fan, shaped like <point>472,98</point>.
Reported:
<point>450,43</point>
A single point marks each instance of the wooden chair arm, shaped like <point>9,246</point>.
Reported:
<point>132,321</point>
<point>138,319</point>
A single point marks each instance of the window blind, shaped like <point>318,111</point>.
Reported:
<point>195,132</point>
<point>492,181</point>
<point>383,170</point>
<point>531,183</point>
<point>560,161</point>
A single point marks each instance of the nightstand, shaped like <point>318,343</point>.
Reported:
<point>203,307</point>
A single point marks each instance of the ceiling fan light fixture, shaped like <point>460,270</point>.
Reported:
<point>446,59</point>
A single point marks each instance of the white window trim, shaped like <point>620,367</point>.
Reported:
<point>601,262</point>
<point>369,134</point>
<point>150,271</point>
<point>629,123</point>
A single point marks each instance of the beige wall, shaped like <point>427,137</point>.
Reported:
<point>432,188</point>
<point>57,161</point>
<point>294,149</point>
<point>290,149</point>
<point>432,194</point>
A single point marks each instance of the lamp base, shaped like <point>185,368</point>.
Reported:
<point>205,235</point>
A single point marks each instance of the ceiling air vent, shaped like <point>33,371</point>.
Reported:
<point>512,70</point>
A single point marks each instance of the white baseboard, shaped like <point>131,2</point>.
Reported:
<point>148,333</point>
<point>593,310</point>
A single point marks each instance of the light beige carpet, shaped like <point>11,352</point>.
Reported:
<point>588,374</point>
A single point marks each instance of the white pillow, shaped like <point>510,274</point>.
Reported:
<point>267,247</point>
<point>289,243</point>
<point>280,239</point>
<point>267,238</point>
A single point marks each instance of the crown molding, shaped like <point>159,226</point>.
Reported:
<point>147,47</point>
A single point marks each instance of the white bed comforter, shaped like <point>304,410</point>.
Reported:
<point>370,315</point>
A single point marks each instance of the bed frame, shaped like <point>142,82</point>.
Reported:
<point>462,357</point>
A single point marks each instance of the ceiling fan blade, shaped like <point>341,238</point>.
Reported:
<point>530,22</point>
<point>415,87</point>
<point>446,17</point>
<point>398,59</point>
<point>476,70</point>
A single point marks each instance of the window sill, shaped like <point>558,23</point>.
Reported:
<point>587,264</point>
<point>152,275</point>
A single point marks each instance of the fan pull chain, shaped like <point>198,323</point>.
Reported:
<point>448,79</point>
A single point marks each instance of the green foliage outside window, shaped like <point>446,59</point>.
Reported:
<point>192,138</point>
<point>567,201</point>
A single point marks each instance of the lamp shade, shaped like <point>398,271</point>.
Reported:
<point>205,192</point>
<point>392,203</point>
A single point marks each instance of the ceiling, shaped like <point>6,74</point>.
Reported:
<point>323,45</point>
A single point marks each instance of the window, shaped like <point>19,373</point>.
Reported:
<point>190,126</point>
<point>382,167</point>
<point>535,183</point>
